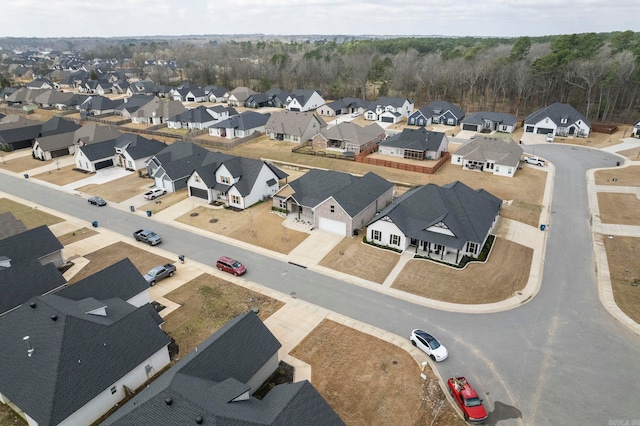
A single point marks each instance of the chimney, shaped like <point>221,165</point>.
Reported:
<point>29,348</point>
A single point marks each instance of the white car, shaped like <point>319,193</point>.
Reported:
<point>429,345</point>
<point>534,160</point>
<point>549,137</point>
<point>154,193</point>
<point>355,114</point>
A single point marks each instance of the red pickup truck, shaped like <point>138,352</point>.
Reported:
<point>468,399</point>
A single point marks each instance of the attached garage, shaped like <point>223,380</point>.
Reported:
<point>59,153</point>
<point>103,164</point>
<point>472,127</point>
<point>387,119</point>
<point>294,109</point>
<point>333,226</point>
<point>198,192</point>
<point>543,131</point>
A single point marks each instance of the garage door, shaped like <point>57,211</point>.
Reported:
<point>470,127</point>
<point>60,153</point>
<point>294,109</point>
<point>544,131</point>
<point>200,193</point>
<point>333,226</point>
<point>103,164</point>
<point>387,119</point>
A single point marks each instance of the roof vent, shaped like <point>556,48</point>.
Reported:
<point>168,401</point>
<point>199,420</point>
<point>29,347</point>
<point>54,317</point>
<point>33,305</point>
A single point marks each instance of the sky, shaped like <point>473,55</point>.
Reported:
<point>489,18</point>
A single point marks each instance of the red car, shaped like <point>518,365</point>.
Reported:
<point>468,399</point>
<point>231,266</point>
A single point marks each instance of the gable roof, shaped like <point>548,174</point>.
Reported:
<point>387,100</point>
<point>492,149</point>
<point>138,146</point>
<point>496,117</point>
<point>55,142</point>
<point>293,122</point>
<point>93,132</point>
<point>415,139</point>
<point>76,354</point>
<point>10,225</point>
<point>58,125</point>
<point>351,192</point>
<point>31,244</point>
<point>99,150</point>
<point>556,112</point>
<point>439,107</point>
<point>348,103</point>
<point>180,159</point>
<point>244,121</point>
<point>100,103</point>
<point>467,213</point>
<point>355,134</point>
<point>18,131</point>
<point>206,381</point>
<point>195,115</point>
<point>27,279</point>
<point>121,280</point>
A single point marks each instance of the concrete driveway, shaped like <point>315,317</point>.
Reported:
<point>100,177</point>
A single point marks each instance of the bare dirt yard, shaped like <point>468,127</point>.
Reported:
<point>31,217</point>
<point>504,273</point>
<point>255,225</point>
<point>598,140</point>
<point>378,386</point>
<point>623,209</point>
<point>623,176</point>
<point>109,255</point>
<point>119,190</point>
<point>22,164</point>
<point>632,154</point>
<point>624,269</point>
<point>62,176</point>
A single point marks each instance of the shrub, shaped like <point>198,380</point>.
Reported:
<point>371,243</point>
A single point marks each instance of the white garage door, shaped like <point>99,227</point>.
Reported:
<point>333,226</point>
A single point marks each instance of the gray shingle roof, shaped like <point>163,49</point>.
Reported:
<point>351,192</point>
<point>245,121</point>
<point>57,125</point>
<point>204,383</point>
<point>99,150</point>
<point>292,122</point>
<point>439,107</point>
<point>415,139</point>
<point>9,225</point>
<point>348,103</point>
<point>195,115</point>
<point>357,135</point>
<point>55,142</point>
<point>500,152</point>
<point>496,117</point>
<point>556,112</point>
<point>32,244</point>
<point>467,213</point>
<point>93,132</point>
<point>25,280</point>
<point>16,132</point>
<point>76,355</point>
<point>181,158</point>
<point>138,146</point>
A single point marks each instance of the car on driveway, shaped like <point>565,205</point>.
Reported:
<point>549,137</point>
<point>536,161</point>
<point>154,193</point>
<point>97,201</point>
<point>355,114</point>
<point>429,345</point>
<point>231,266</point>
<point>160,272</point>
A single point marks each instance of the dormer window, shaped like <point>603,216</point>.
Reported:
<point>225,179</point>
<point>563,121</point>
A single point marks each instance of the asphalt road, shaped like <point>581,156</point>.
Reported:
<point>560,359</point>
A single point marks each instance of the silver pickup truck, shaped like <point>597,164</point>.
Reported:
<point>147,236</point>
<point>159,273</point>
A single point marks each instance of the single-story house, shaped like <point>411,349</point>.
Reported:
<point>636,130</point>
<point>95,156</point>
<point>304,100</point>
<point>441,222</point>
<point>257,100</point>
<point>213,385</point>
<point>188,93</point>
<point>489,155</point>
<point>215,93</point>
<point>197,118</point>
<point>237,181</point>
<point>69,362</point>
<point>277,97</point>
<point>37,243</point>
<point>157,111</point>
<point>50,147</point>
<point>219,112</point>
<point>240,126</point>
<point>293,126</point>
<point>97,105</point>
<point>18,134</point>
<point>334,201</point>
<point>558,119</point>
<point>389,110</point>
<point>343,106</point>
<point>489,121</point>
<point>437,112</point>
<point>134,151</point>
<point>349,137</point>
<point>415,144</point>
<point>238,96</point>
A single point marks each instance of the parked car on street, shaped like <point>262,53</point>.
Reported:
<point>154,193</point>
<point>160,272</point>
<point>429,345</point>
<point>147,236</point>
<point>468,399</point>
<point>97,201</point>
<point>230,265</point>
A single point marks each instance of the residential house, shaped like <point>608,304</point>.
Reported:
<point>349,137</point>
<point>214,385</point>
<point>193,119</point>
<point>142,87</point>
<point>133,151</point>
<point>437,112</point>
<point>93,132</point>
<point>487,121</point>
<point>257,100</point>
<point>294,126</point>
<point>10,225</point>
<point>69,362</point>
<point>157,111</point>
<point>415,144</point>
<point>343,106</point>
<point>636,130</point>
<point>304,100</point>
<point>59,145</point>
<point>389,110</point>
<point>18,134</point>
<point>58,125</point>
<point>188,92</point>
<point>440,222</point>
<point>38,243</point>
<point>57,138</point>
<point>40,83</point>
<point>558,119</point>
<point>219,112</point>
<point>95,156</point>
<point>489,155</point>
<point>98,105</point>
<point>132,104</point>
<point>215,93</point>
<point>240,126</point>
<point>238,96</point>
<point>54,99</point>
<point>237,181</point>
<point>334,201</point>
<point>277,97</point>
<point>122,280</point>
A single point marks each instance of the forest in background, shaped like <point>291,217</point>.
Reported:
<point>598,73</point>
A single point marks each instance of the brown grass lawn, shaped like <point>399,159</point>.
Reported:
<point>207,303</point>
<point>626,176</point>
<point>77,235</point>
<point>165,201</point>
<point>62,176</point>
<point>107,256</point>
<point>622,256</point>
<point>505,273</point>
<point>254,225</point>
<point>31,217</point>
<point>623,209</point>
<point>353,257</point>
<point>22,164</point>
<point>632,154</point>
<point>120,189</point>
<point>598,140</point>
<point>377,386</point>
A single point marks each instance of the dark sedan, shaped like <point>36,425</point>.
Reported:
<point>97,201</point>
